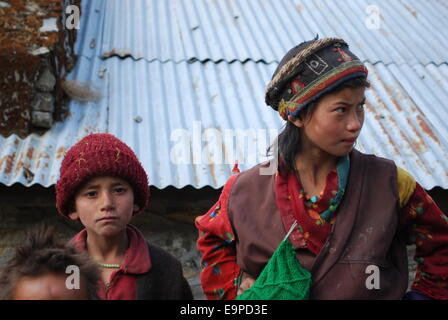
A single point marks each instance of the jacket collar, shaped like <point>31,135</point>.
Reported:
<point>136,258</point>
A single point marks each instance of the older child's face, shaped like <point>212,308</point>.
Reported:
<point>50,286</point>
<point>336,122</point>
<point>105,205</point>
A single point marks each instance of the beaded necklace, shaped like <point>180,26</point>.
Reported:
<point>108,265</point>
<point>343,169</point>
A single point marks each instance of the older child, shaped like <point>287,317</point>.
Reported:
<point>354,212</point>
<point>102,184</point>
<point>41,269</point>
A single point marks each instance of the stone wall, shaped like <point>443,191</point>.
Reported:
<point>36,53</point>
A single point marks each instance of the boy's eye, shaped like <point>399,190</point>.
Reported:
<point>120,190</point>
<point>91,194</point>
<point>340,109</point>
<point>361,107</point>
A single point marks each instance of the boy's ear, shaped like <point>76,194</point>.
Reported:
<point>73,215</point>
<point>298,122</point>
<point>136,208</point>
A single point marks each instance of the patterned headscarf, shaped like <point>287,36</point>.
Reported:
<point>308,71</point>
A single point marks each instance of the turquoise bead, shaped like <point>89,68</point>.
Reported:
<point>314,199</point>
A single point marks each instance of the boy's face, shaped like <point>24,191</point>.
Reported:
<point>336,122</point>
<point>49,286</point>
<point>104,205</point>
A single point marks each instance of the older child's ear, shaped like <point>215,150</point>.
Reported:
<point>298,122</point>
<point>136,208</point>
<point>73,215</point>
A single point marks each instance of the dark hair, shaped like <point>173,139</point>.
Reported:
<point>288,141</point>
<point>41,253</point>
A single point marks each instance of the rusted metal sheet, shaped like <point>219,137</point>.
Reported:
<point>404,119</point>
<point>177,117</point>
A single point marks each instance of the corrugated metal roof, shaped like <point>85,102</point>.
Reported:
<point>156,107</point>
<point>171,112</point>
<point>263,30</point>
<point>152,107</point>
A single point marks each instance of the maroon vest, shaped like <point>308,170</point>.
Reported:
<point>364,233</point>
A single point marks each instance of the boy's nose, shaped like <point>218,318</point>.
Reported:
<point>355,123</point>
<point>107,201</point>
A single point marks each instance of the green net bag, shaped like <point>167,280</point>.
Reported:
<point>283,278</point>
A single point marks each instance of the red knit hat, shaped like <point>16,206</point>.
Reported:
<point>100,154</point>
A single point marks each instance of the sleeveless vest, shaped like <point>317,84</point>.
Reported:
<point>364,246</point>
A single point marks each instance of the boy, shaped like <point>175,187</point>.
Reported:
<point>43,268</point>
<point>348,212</point>
<point>102,184</point>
